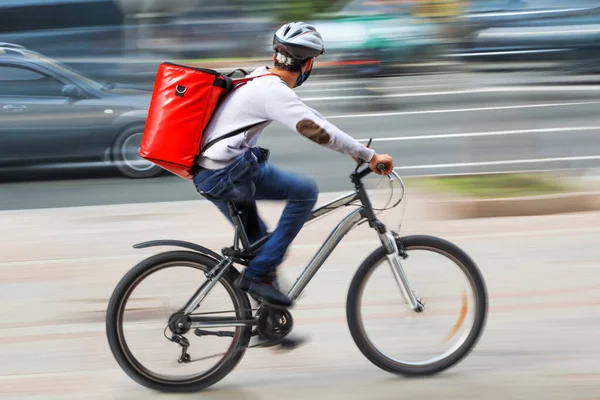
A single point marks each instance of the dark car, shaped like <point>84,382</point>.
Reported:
<point>533,30</point>
<point>80,31</point>
<point>51,114</point>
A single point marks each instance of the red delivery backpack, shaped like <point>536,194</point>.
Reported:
<point>182,104</point>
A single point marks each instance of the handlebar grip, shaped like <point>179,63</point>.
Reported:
<point>366,171</point>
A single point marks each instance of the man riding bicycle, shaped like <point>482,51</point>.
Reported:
<point>234,170</point>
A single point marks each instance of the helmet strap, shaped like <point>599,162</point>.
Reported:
<point>302,78</point>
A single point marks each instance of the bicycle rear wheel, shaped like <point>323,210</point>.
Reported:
<point>143,304</point>
<point>399,340</point>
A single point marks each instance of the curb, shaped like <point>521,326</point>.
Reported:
<point>468,208</point>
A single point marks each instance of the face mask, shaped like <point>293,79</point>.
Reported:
<point>302,78</point>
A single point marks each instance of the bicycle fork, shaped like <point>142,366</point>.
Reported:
<point>388,239</point>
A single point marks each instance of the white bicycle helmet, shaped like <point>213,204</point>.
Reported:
<point>297,41</point>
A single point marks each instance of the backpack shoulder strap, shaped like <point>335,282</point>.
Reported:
<point>230,134</point>
<point>236,83</point>
<point>242,81</point>
<point>235,70</point>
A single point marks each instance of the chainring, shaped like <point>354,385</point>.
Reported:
<point>274,323</point>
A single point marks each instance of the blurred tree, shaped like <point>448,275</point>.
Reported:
<point>302,10</point>
<point>291,10</point>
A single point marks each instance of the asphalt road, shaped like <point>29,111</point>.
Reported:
<point>59,268</point>
<point>430,124</point>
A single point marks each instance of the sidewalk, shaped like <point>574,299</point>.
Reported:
<point>59,267</point>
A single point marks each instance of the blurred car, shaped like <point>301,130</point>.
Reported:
<point>51,114</point>
<point>532,30</point>
<point>125,40</point>
<point>374,37</point>
<point>83,32</point>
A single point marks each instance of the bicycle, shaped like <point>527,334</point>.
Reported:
<point>274,323</point>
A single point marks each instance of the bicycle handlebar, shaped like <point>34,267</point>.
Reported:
<point>367,170</point>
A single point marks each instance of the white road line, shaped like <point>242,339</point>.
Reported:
<point>495,172</point>
<point>491,133</point>
<point>338,82</point>
<point>508,89</point>
<point>502,162</point>
<point>346,89</point>
<point>455,110</point>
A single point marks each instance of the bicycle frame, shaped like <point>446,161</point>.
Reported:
<point>364,212</point>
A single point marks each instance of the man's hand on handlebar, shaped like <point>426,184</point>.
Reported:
<point>381,164</point>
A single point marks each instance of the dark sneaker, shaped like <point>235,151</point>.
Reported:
<point>263,290</point>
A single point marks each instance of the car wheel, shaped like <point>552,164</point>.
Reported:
<point>125,154</point>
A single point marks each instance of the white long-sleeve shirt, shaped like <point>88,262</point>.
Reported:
<point>268,99</point>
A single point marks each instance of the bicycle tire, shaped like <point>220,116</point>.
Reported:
<point>127,361</point>
<point>353,303</point>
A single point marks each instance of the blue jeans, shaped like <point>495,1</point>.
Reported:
<point>249,179</point>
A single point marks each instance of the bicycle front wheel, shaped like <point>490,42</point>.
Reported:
<point>400,340</point>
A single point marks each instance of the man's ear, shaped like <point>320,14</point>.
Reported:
<point>274,58</point>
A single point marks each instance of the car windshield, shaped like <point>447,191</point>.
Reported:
<point>71,73</point>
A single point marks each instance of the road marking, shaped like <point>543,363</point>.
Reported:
<point>497,53</point>
<point>525,13</point>
<point>508,89</point>
<point>491,133</point>
<point>502,162</point>
<point>338,82</point>
<point>346,89</point>
<point>456,110</point>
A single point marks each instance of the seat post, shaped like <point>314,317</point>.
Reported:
<point>240,232</point>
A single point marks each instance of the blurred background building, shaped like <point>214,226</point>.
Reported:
<point>78,50</point>
<point>103,37</point>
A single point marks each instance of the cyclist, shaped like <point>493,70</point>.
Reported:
<point>234,169</point>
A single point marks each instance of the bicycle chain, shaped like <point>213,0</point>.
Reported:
<point>186,359</point>
<point>261,344</point>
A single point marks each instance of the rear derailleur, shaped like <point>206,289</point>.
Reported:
<point>179,325</point>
